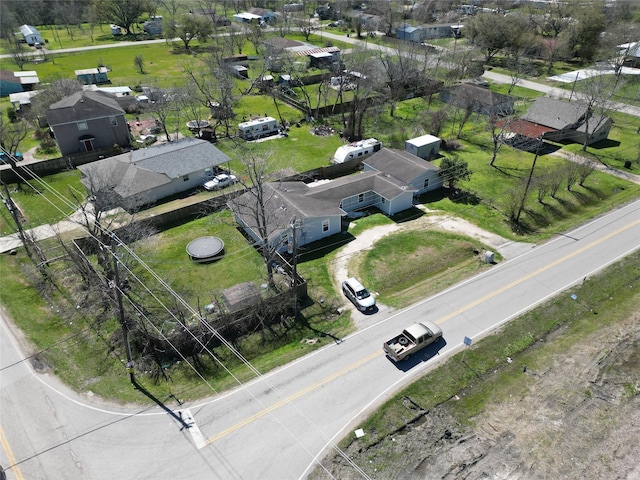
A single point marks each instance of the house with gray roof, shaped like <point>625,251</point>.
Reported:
<point>478,99</point>
<point>86,121</point>
<point>559,120</point>
<point>145,176</point>
<point>418,174</point>
<point>389,183</point>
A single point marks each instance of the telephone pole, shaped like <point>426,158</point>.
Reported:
<point>115,284</point>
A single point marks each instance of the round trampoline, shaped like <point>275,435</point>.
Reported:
<point>205,249</point>
<point>198,124</point>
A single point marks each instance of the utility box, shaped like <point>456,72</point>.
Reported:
<point>426,146</point>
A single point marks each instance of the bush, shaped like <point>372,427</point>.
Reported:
<point>451,145</point>
<point>12,114</point>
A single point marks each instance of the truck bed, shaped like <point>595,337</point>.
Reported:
<point>398,346</point>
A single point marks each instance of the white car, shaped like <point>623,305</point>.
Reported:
<point>220,181</point>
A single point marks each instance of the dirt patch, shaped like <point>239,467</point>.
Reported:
<point>579,418</point>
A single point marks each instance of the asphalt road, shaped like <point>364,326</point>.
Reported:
<point>279,425</point>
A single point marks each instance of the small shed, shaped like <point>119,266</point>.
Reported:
<point>409,33</point>
<point>426,146</point>
<point>240,296</point>
<point>90,76</point>
<point>31,35</point>
<point>240,71</point>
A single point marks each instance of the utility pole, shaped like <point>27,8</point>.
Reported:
<point>295,265</point>
<point>121,317</point>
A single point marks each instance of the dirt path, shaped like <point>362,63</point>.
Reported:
<point>366,240</point>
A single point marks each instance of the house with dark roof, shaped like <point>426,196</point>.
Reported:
<point>87,121</point>
<point>389,183</point>
<point>479,99</point>
<point>145,176</point>
<point>558,120</point>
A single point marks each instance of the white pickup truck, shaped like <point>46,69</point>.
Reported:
<point>411,340</point>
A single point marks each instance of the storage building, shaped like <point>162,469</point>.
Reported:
<point>426,146</point>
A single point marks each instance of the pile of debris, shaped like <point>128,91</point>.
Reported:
<point>323,131</point>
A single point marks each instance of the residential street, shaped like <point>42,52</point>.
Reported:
<point>277,426</point>
<point>280,425</point>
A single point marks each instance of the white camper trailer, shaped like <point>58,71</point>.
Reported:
<point>258,128</point>
<point>359,150</point>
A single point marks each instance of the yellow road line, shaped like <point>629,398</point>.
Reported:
<point>10,457</point>
<point>441,320</point>
<point>537,272</point>
<point>296,395</point>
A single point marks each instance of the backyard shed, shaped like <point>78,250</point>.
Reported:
<point>426,146</point>
<point>90,76</point>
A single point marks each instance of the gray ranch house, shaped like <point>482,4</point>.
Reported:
<point>316,210</point>
<point>87,121</point>
<point>148,175</point>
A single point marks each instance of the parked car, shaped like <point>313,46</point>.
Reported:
<point>4,158</point>
<point>220,181</point>
<point>360,296</point>
<point>38,45</point>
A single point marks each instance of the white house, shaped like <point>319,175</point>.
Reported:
<point>142,177</point>
<point>315,210</point>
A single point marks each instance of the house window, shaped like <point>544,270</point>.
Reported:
<point>185,178</point>
<point>426,183</point>
<point>361,198</point>
<point>325,225</point>
<point>114,121</point>
<point>382,200</point>
<point>82,125</point>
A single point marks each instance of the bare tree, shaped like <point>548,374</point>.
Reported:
<point>305,27</point>
<point>165,108</point>
<point>122,13</point>
<point>585,168</point>
<point>596,93</point>
<point>366,77</point>
<point>11,134</point>
<point>18,52</point>
<point>138,61</point>
<point>260,207</point>
<point>555,178</point>
<point>256,36</point>
<point>215,84</point>
<point>497,126</point>
<point>572,173</point>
